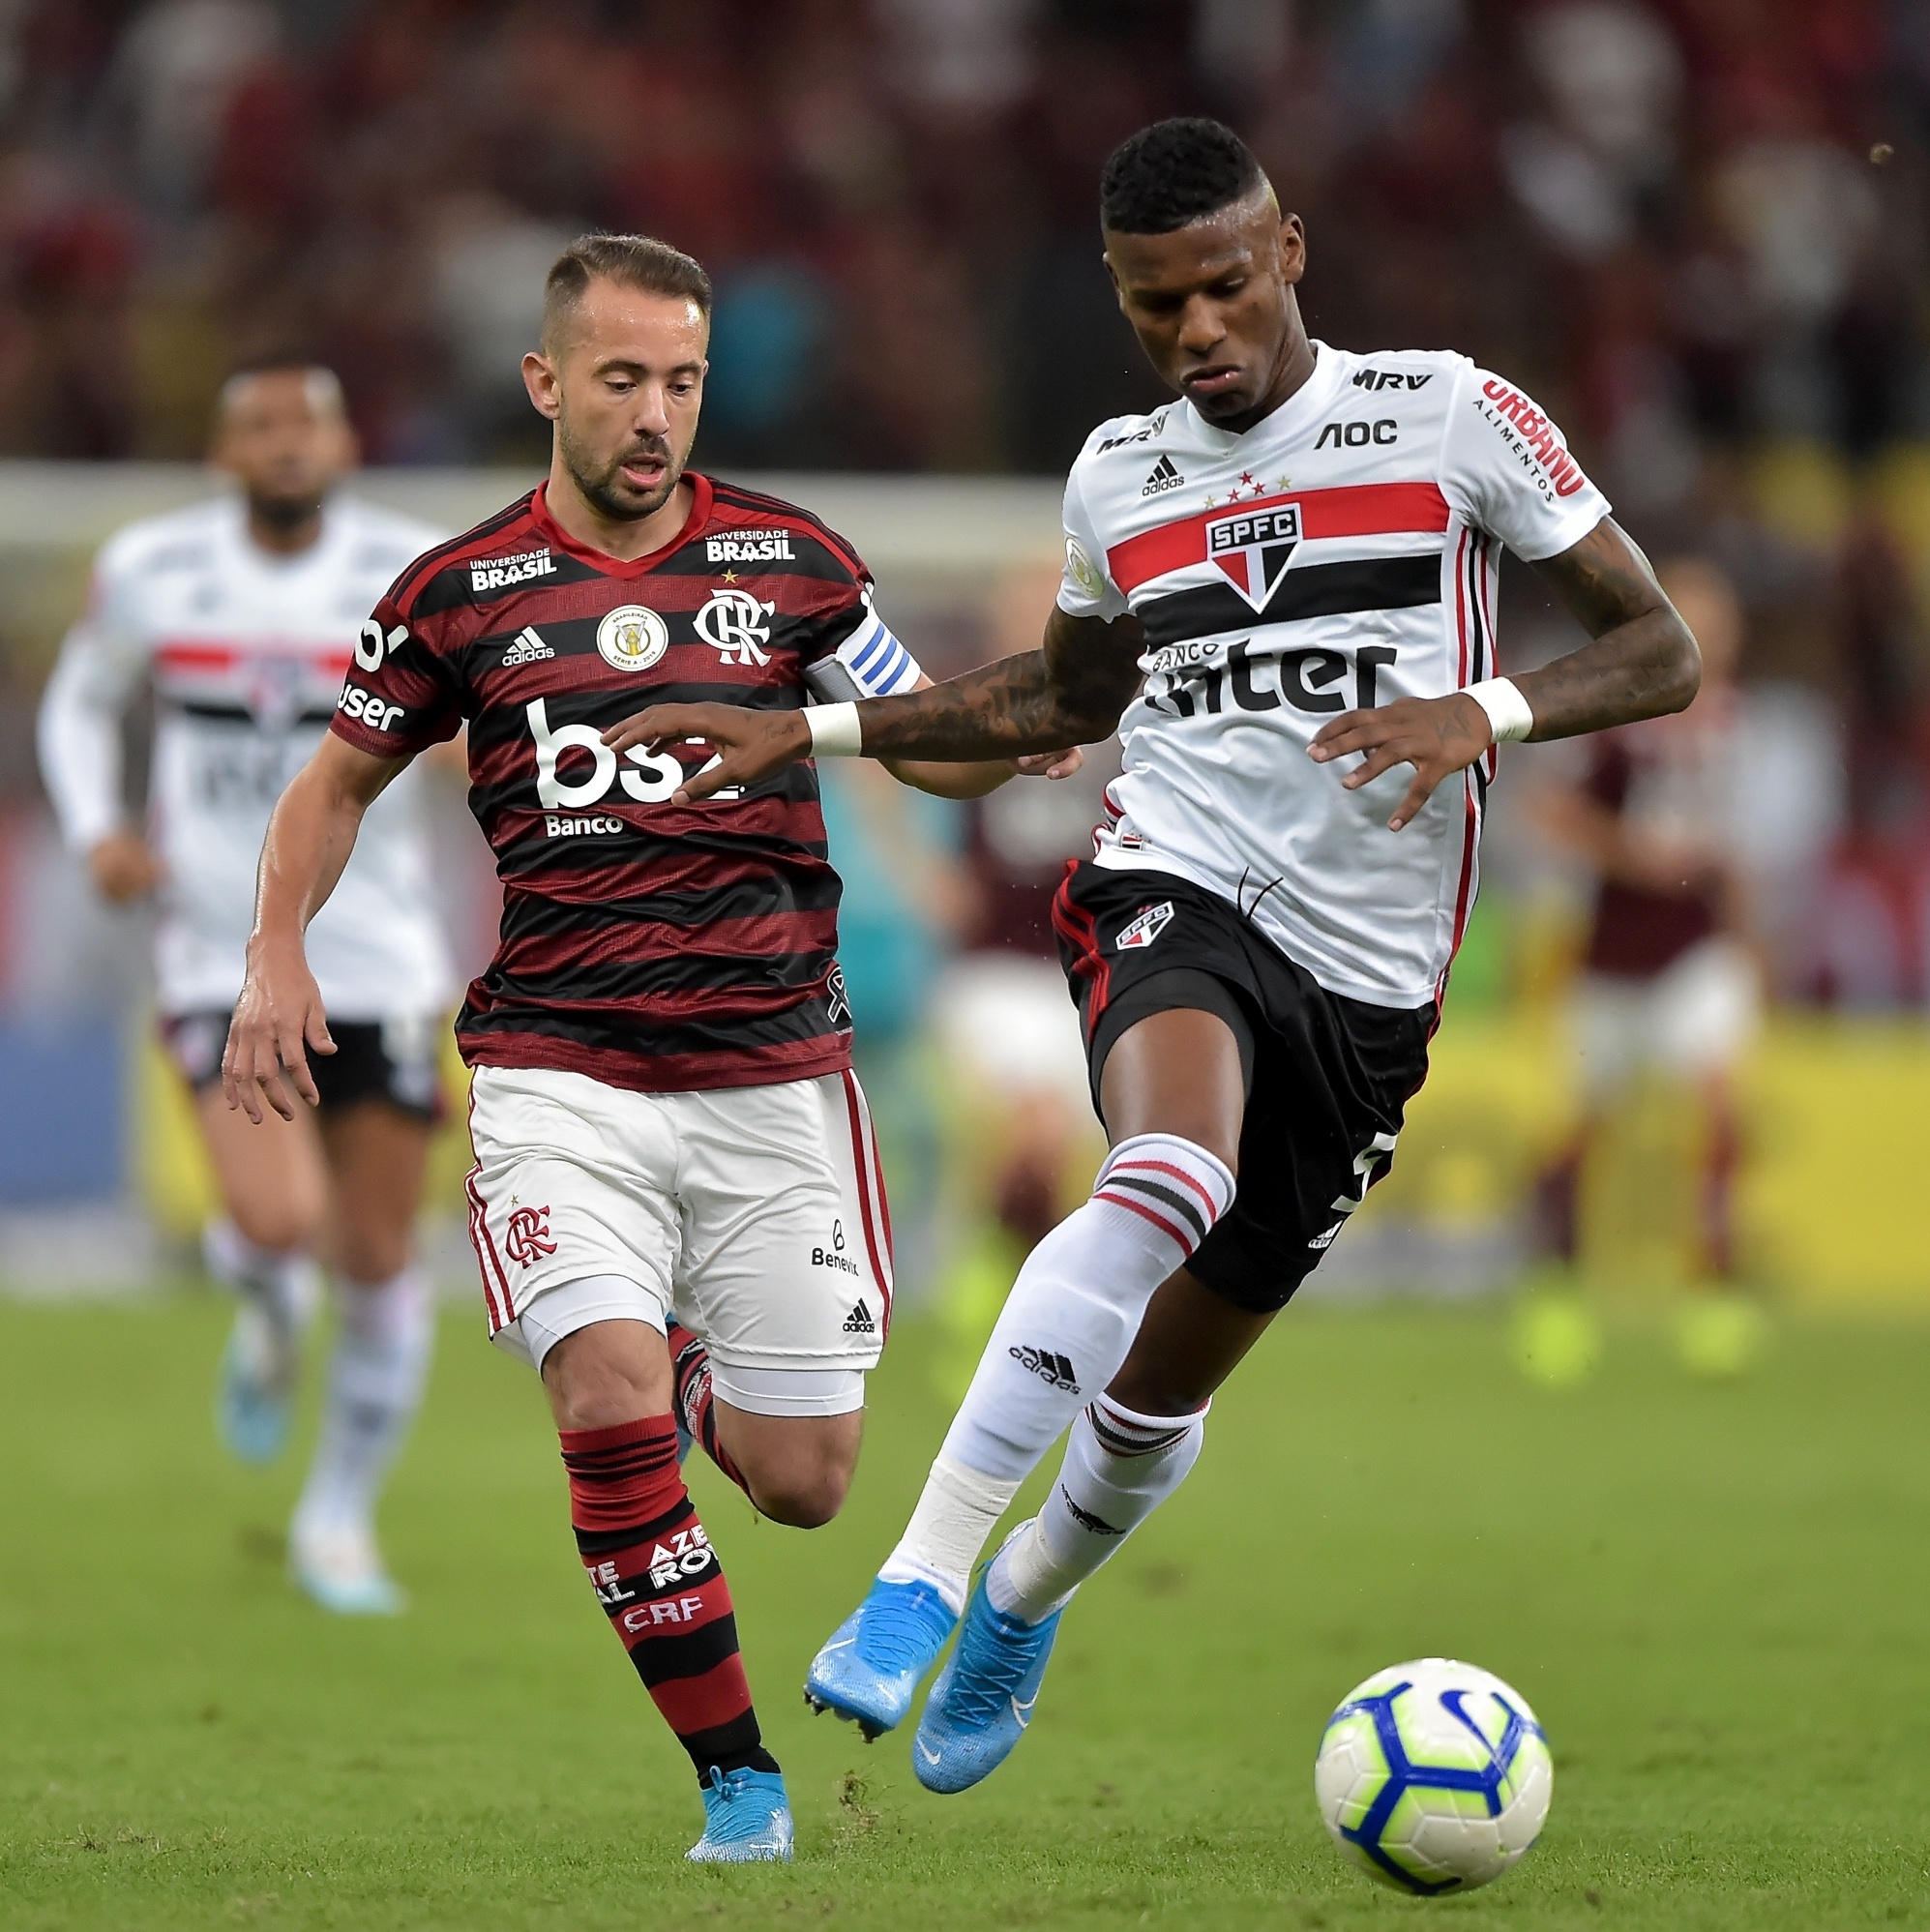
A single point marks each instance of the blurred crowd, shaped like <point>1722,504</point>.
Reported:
<point>1695,228</point>
<point>1676,219</point>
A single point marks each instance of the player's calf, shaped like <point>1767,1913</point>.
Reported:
<point>1065,1329</point>
<point>661,1587</point>
<point>1120,1466</point>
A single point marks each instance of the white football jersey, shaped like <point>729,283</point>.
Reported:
<point>246,652</point>
<point>1339,554</point>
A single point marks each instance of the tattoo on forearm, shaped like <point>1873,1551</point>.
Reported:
<point>1642,662</point>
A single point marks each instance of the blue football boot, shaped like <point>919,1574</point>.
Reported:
<point>257,1384</point>
<point>746,1820</point>
<point>869,1668</point>
<point>983,1700</point>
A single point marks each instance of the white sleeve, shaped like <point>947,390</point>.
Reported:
<point>1507,468</point>
<point>1085,590</point>
<point>79,726</point>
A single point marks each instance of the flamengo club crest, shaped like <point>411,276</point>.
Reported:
<point>1253,547</point>
<point>526,1236</point>
<point>737,624</point>
<point>631,638</point>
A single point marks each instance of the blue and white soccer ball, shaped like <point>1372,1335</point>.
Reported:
<point>1434,1776</point>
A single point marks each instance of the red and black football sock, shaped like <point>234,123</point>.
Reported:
<point>663,1588</point>
<point>690,1363</point>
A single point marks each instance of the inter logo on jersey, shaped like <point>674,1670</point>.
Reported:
<point>1254,548</point>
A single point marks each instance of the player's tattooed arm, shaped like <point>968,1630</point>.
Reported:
<point>278,1020</point>
<point>1069,691</point>
<point>1640,661</point>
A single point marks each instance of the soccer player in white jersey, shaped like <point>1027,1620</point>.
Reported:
<point>244,613</point>
<point>1286,581</point>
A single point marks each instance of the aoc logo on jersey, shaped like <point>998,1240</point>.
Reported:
<point>1253,547</point>
<point>1141,932</point>
<point>631,638</point>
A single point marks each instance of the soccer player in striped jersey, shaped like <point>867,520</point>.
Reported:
<point>1284,581</point>
<point>676,1204</point>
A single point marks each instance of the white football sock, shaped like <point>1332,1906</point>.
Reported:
<point>1120,1466</point>
<point>375,1377</point>
<point>948,1528</point>
<point>284,1282</point>
<point>1066,1328</point>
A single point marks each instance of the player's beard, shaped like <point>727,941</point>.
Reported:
<point>284,514</point>
<point>602,486</point>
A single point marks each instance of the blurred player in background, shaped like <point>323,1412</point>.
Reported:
<point>242,613</point>
<point>1668,982</point>
<point>1292,563</point>
<point>676,1204</point>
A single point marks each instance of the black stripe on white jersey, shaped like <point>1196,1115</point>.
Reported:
<point>1313,590</point>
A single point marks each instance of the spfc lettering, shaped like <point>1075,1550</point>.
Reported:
<point>1254,548</point>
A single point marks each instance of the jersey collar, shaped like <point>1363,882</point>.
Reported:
<point>701,498</point>
<point>1306,403</point>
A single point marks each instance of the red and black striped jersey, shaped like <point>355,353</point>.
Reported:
<point>646,944</point>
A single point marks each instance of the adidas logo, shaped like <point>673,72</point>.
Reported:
<point>1047,1364</point>
<point>859,1322</point>
<point>526,649</point>
<point>1164,477</point>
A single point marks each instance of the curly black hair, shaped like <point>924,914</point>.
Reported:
<point>1173,172</point>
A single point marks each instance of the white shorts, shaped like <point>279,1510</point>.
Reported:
<point>755,1215</point>
<point>1694,1017</point>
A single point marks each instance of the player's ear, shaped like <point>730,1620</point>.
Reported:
<point>1293,245</point>
<point>541,378</point>
<point>1119,293</point>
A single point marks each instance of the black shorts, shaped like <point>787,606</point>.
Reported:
<point>373,1060</point>
<point>1328,1078</point>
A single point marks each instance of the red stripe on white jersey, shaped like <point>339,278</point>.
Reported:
<point>1350,510</point>
<point>193,655</point>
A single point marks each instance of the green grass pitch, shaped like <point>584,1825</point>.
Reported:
<point>1717,1597</point>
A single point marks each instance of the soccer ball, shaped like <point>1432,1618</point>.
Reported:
<point>1434,1776</point>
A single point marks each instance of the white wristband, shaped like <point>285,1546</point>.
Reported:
<point>835,731</point>
<point>1508,713</point>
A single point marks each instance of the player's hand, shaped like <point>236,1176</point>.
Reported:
<point>277,1022</point>
<point>1050,764</point>
<point>123,868</point>
<point>1436,735</point>
<point>749,745</point>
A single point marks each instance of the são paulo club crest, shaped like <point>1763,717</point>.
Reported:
<point>631,638</point>
<point>1254,548</point>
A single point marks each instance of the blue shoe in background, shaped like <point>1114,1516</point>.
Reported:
<point>746,1820</point>
<point>870,1669</point>
<point>257,1385</point>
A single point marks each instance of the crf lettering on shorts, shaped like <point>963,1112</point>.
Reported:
<point>648,777</point>
<point>664,1610</point>
<point>526,1236</point>
<point>355,702</point>
<point>1308,680</point>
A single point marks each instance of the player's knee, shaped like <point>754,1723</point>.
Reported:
<point>372,1254</point>
<point>804,1497</point>
<point>277,1225</point>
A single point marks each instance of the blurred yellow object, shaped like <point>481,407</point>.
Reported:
<point>1556,1339</point>
<point>1801,490</point>
<point>172,1169</point>
<point>1720,1335</point>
